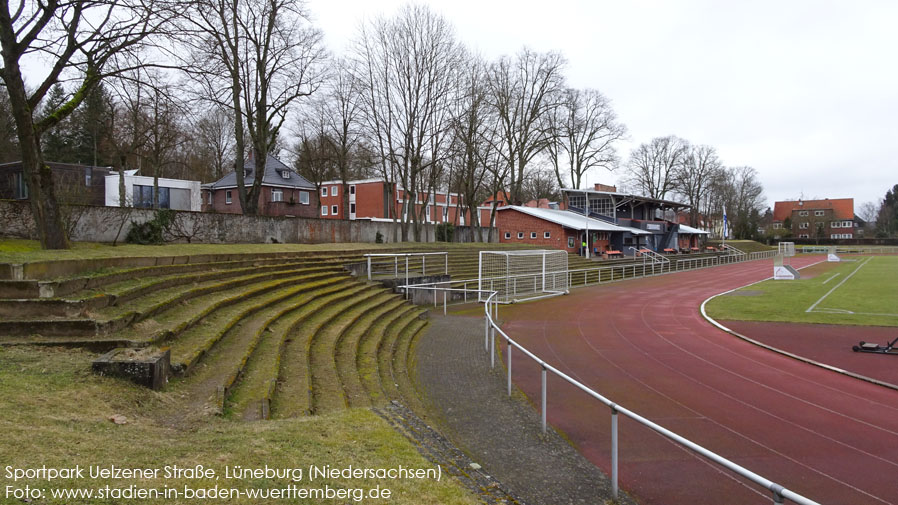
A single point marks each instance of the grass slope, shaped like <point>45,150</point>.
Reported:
<point>54,412</point>
<point>869,296</point>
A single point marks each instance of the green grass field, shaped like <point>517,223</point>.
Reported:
<point>861,292</point>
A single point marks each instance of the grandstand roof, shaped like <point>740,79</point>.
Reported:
<point>573,220</point>
<point>843,208</point>
<point>669,203</point>
<point>688,229</point>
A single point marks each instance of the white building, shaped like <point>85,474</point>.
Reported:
<point>176,194</point>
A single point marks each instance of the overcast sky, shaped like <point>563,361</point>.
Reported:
<point>806,92</point>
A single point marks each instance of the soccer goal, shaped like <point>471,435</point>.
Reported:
<point>522,275</point>
<point>787,249</point>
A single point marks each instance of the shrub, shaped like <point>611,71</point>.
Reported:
<point>152,231</point>
<point>379,238</point>
<point>444,232</point>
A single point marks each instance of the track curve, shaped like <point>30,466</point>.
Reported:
<point>644,344</point>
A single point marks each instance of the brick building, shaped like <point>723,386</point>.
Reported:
<point>827,218</point>
<point>561,229</point>
<point>74,183</point>
<point>371,199</point>
<point>284,192</point>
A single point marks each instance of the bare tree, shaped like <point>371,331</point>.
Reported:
<point>694,177</point>
<point>473,139</point>
<point>9,147</point>
<point>584,129</point>
<point>653,166</point>
<point>523,91</point>
<point>406,66</point>
<point>255,58</point>
<point>214,140</point>
<point>83,39</point>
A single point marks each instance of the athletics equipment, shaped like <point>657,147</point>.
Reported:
<point>782,265</point>
<point>831,254</point>
<point>522,275</point>
<point>889,348</point>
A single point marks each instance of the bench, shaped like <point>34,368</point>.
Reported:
<point>614,254</point>
<point>670,251</point>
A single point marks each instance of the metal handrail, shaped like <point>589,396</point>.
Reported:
<point>491,328</point>
<point>779,492</point>
<point>407,256</point>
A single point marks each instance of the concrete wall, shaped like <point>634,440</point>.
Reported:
<point>106,224</point>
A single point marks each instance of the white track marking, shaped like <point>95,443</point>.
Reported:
<point>811,308</point>
<point>833,277</point>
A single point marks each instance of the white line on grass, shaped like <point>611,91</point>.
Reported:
<point>833,277</point>
<point>811,308</point>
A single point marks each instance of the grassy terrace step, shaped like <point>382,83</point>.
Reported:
<point>291,397</point>
<point>97,280</point>
<point>348,349</point>
<point>226,357</point>
<point>385,353</point>
<point>251,397</point>
<point>367,355</point>
<point>402,362</point>
<point>326,393</point>
<point>159,301</point>
<point>188,347</point>
<point>180,317</point>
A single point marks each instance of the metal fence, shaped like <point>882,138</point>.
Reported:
<point>851,249</point>
<point>410,264</point>
<point>491,329</point>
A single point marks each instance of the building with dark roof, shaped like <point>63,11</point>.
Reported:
<point>284,192</point>
<point>82,184</point>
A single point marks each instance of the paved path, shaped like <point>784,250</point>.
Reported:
<point>644,344</point>
<point>469,403</point>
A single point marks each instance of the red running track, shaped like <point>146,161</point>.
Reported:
<point>644,344</point>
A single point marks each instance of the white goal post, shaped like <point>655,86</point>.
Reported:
<point>787,249</point>
<point>522,275</point>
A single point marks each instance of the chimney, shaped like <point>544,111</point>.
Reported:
<point>605,187</point>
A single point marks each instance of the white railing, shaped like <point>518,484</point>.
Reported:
<point>732,250</point>
<point>851,249</point>
<point>491,329</point>
<point>760,255</point>
<point>390,264</point>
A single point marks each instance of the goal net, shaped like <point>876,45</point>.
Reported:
<point>787,249</point>
<point>522,275</point>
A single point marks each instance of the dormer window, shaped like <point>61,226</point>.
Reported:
<point>285,174</point>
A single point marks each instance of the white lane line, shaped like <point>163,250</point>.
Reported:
<point>833,277</point>
<point>811,308</point>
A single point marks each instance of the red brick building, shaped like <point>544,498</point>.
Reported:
<point>284,192</point>
<point>371,199</point>
<point>827,218</point>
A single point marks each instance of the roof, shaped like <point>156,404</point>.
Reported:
<point>843,208</point>
<point>636,197</point>
<point>572,220</point>
<point>272,176</point>
<point>688,229</point>
<point>502,197</point>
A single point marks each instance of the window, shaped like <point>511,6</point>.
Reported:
<point>352,189</point>
<point>277,195</point>
<point>818,213</point>
<point>777,226</point>
<point>142,197</point>
<point>847,224</point>
<point>427,211</point>
<point>520,234</point>
<point>228,197</point>
<point>21,186</point>
<point>547,235</point>
<point>352,208</point>
<point>578,201</point>
<point>445,214</point>
<point>209,197</point>
<point>285,174</point>
<point>836,224</point>
<point>87,174</point>
<point>334,210</point>
<point>532,234</point>
<point>570,242</point>
<point>802,226</point>
<point>333,190</point>
<point>601,205</point>
<point>803,235</point>
<point>304,197</point>
<point>507,235</point>
<point>324,210</point>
